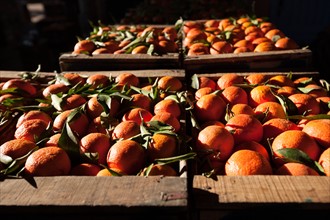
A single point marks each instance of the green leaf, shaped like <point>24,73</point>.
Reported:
<point>325,84</point>
<point>4,159</point>
<point>288,106</point>
<point>151,49</point>
<point>306,90</point>
<point>309,117</point>
<point>61,79</point>
<point>56,102</point>
<point>187,156</point>
<point>194,81</point>
<point>297,156</point>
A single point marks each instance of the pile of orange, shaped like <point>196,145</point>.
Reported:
<point>125,39</point>
<point>93,125</point>
<point>234,35</point>
<point>248,125</point>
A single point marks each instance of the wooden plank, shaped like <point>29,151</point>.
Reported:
<point>239,192</point>
<point>110,194</point>
<point>82,62</point>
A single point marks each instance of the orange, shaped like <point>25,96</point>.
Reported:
<point>48,161</point>
<point>142,49</point>
<point>106,172</point>
<point>319,129</point>
<point>234,95</point>
<point>101,50</point>
<point>78,124</point>
<point>324,161</point>
<point>93,107</point>
<point>209,123</point>
<point>264,46</point>
<point>324,104</point>
<point>281,80</point>
<point>271,33</point>
<point>85,45</point>
<point>97,125</point>
<point>128,79</point>
<point>241,50</point>
<point>295,169</point>
<point>252,145</point>
<point>244,127</point>
<point>127,156</point>
<point>25,88</point>
<point>34,114</point>
<point>141,101</point>
<point>276,126</point>
<point>266,26</point>
<point>98,81</point>
<point>215,142</point>
<point>111,46</point>
<point>191,24</point>
<point>161,170</point>
<point>296,139</point>
<point>96,143</point>
<point>317,91</point>
<point>203,91</point>
<point>54,89</point>
<point>261,94</point>
<point>286,43</point>
<point>74,78</point>
<point>242,109</point>
<point>137,114</point>
<point>256,78</point>
<point>306,104</point>
<point>162,146</point>
<point>269,110</point>
<point>303,81</point>
<point>247,162</point>
<point>220,47</point>
<point>168,105</point>
<point>287,91</point>
<point>207,82</point>
<point>259,40</point>
<point>244,43</point>
<point>73,101</point>
<point>31,130</point>
<point>126,130</point>
<point>210,107</point>
<point>170,33</point>
<point>53,140</point>
<point>85,169</point>
<point>229,79</point>
<point>169,119</point>
<point>170,83</point>
<point>198,49</point>
<point>17,148</point>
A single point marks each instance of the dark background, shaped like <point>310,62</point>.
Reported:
<point>37,32</point>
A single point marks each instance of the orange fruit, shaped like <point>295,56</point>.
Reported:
<point>324,104</point>
<point>162,146</point>
<point>287,91</point>
<point>264,46</point>
<point>269,110</point>
<point>31,130</point>
<point>244,127</point>
<point>98,81</point>
<point>128,79</point>
<point>220,47</point>
<point>203,91</point>
<point>73,101</point>
<point>111,46</point>
<point>170,83</point>
<point>296,139</point>
<point>106,172</point>
<point>170,33</point>
<point>306,104</point>
<point>127,156</point>
<point>286,43</point>
<point>85,169</point>
<point>295,169</point>
<point>247,162</point>
<point>54,89</point>
<point>229,79</point>
<point>210,107</point>
<point>256,78</point>
<point>252,145</point>
<point>125,130</point>
<point>207,82</point>
<point>261,94</point>
<point>34,114</point>
<point>266,26</point>
<point>17,148</point>
<point>209,123</point>
<point>241,50</point>
<point>259,40</point>
<point>48,161</point>
<point>273,32</point>
<point>276,126</point>
<point>215,142</point>
<point>95,143</point>
<point>97,125</point>
<point>161,170</point>
<point>319,129</point>
<point>242,109</point>
<point>25,88</point>
<point>244,43</point>
<point>142,49</point>
<point>317,91</point>
<point>168,105</point>
<point>93,107</point>
<point>169,119</point>
<point>101,50</point>
<point>53,140</point>
<point>190,24</point>
<point>74,78</point>
<point>281,80</point>
<point>137,114</point>
<point>234,95</point>
<point>324,161</point>
<point>141,101</point>
<point>85,45</point>
<point>303,81</point>
<point>198,49</point>
<point>78,125</point>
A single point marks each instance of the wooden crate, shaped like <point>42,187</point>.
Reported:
<point>86,197</point>
<point>103,62</point>
<point>286,60</point>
